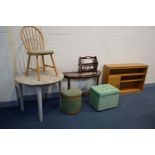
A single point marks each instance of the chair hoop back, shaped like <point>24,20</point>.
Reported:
<point>32,38</point>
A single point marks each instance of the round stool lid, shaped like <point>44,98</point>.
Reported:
<point>72,92</point>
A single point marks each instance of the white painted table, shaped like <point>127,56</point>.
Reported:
<point>46,79</point>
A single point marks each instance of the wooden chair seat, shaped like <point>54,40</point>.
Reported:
<point>33,41</point>
<point>41,52</point>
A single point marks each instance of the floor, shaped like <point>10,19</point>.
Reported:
<point>135,111</point>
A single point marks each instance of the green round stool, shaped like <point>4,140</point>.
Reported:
<point>71,101</point>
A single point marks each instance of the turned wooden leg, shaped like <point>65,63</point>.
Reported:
<point>38,68</point>
<point>54,64</point>
<point>97,80</point>
<point>43,63</point>
<point>28,63</point>
<point>68,79</point>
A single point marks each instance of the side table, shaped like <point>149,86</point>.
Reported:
<point>77,76</point>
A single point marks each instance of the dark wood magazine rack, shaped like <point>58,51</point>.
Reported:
<point>87,64</point>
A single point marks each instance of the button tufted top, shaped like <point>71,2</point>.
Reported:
<point>105,89</point>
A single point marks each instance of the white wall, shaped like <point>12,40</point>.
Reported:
<point>6,68</point>
<point>109,44</point>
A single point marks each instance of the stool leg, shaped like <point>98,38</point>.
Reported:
<point>38,68</point>
<point>28,63</point>
<point>54,64</point>
<point>43,63</point>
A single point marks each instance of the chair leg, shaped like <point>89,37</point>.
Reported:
<point>43,63</point>
<point>28,64</point>
<point>54,65</point>
<point>38,68</point>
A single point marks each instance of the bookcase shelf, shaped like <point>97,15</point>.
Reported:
<point>128,78</point>
<point>131,90</point>
<point>124,81</point>
<point>132,74</point>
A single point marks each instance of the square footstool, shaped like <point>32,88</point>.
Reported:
<point>103,96</point>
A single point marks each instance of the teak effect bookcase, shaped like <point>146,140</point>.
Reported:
<point>128,78</point>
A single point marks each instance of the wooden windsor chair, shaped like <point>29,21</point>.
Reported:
<point>33,41</point>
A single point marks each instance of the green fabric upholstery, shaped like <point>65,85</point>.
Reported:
<point>72,92</point>
<point>42,52</point>
<point>104,97</point>
<point>71,101</point>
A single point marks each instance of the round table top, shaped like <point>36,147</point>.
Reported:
<point>46,78</point>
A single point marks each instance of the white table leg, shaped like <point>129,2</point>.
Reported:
<point>47,90</point>
<point>60,92</point>
<point>19,92</point>
<point>40,106</point>
<point>44,93</point>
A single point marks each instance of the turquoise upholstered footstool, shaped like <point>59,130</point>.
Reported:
<point>71,101</point>
<point>103,97</point>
